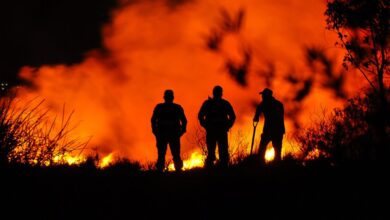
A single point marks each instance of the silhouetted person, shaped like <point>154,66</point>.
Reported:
<point>217,116</point>
<point>273,129</point>
<point>168,125</point>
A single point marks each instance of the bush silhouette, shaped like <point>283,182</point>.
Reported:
<point>347,134</point>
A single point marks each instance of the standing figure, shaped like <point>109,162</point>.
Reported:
<point>273,129</point>
<point>168,125</point>
<point>217,116</point>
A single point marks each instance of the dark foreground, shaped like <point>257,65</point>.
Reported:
<point>285,192</point>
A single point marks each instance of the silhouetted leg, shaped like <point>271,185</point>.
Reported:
<point>211,143</point>
<point>223,149</point>
<point>174,145</point>
<point>265,139</point>
<point>277,144</point>
<point>162,149</point>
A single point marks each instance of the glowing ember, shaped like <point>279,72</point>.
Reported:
<point>316,153</point>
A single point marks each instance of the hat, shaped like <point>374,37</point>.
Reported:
<point>266,92</point>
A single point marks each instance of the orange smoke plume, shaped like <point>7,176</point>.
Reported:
<point>189,47</point>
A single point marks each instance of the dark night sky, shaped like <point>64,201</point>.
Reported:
<point>36,32</point>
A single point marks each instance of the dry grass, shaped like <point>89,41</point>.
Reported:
<point>28,134</point>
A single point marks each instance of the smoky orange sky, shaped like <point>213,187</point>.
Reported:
<point>151,46</point>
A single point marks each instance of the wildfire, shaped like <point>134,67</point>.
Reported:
<point>196,160</point>
<point>114,91</point>
<point>269,154</point>
<point>68,159</point>
<point>106,161</point>
<point>74,160</point>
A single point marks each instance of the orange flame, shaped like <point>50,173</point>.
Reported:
<point>69,159</point>
<point>269,154</point>
<point>106,161</point>
<point>196,160</point>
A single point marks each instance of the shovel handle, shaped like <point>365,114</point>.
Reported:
<point>253,136</point>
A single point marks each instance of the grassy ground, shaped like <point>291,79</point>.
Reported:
<point>287,191</point>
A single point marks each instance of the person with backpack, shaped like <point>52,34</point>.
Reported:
<point>217,116</point>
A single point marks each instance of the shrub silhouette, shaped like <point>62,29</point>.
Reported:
<point>347,134</point>
<point>124,165</point>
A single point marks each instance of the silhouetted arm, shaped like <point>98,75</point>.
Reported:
<point>154,121</point>
<point>258,112</point>
<point>232,115</point>
<point>202,114</point>
<point>183,121</point>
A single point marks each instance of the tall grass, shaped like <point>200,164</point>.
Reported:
<point>28,135</point>
<point>238,147</point>
<point>238,144</point>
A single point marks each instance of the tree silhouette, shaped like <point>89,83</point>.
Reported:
<point>363,31</point>
<point>362,27</point>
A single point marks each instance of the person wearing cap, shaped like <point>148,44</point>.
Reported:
<point>217,116</point>
<point>273,129</point>
<point>168,125</point>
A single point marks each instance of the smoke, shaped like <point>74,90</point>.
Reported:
<point>189,47</point>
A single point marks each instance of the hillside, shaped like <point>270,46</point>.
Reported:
<point>284,192</point>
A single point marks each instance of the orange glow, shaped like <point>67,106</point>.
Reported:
<point>269,154</point>
<point>106,161</point>
<point>68,159</point>
<point>196,160</point>
<point>150,47</point>
<point>316,153</point>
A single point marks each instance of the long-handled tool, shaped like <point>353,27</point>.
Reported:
<point>254,132</point>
